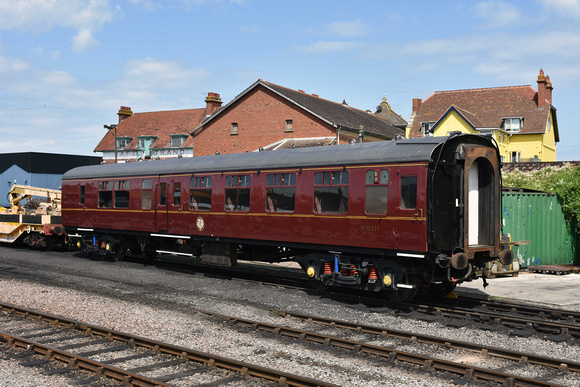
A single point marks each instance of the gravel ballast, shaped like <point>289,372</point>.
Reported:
<point>162,304</point>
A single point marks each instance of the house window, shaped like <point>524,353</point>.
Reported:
<point>105,194</point>
<point>177,141</point>
<point>238,193</point>
<point>122,194</point>
<point>289,126</point>
<point>280,192</point>
<point>123,142</point>
<point>331,192</point>
<point>426,127</point>
<point>516,157</point>
<point>234,128</point>
<point>200,194</point>
<point>512,125</point>
<point>377,191</point>
<point>146,194</point>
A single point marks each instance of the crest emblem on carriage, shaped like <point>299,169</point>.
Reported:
<point>200,223</point>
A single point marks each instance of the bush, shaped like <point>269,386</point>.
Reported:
<point>564,182</point>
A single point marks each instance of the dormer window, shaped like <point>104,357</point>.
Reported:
<point>513,124</point>
<point>177,140</point>
<point>145,143</point>
<point>123,142</point>
<point>426,127</point>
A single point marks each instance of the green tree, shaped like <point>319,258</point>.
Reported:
<point>564,182</point>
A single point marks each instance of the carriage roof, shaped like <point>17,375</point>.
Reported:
<point>394,151</point>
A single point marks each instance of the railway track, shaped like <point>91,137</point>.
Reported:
<point>519,319</point>
<point>53,338</point>
<point>41,329</point>
<point>464,371</point>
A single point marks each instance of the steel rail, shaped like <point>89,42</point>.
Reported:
<point>562,328</point>
<point>559,364</point>
<point>524,309</point>
<point>208,359</point>
<point>79,362</point>
<point>429,363</point>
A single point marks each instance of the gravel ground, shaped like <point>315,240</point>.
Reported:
<point>161,303</point>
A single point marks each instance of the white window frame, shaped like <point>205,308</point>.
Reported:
<point>510,126</point>
<point>518,158</point>
<point>426,127</point>
<point>234,128</point>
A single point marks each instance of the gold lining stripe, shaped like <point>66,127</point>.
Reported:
<point>239,213</point>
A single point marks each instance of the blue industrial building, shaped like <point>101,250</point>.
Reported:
<point>43,170</point>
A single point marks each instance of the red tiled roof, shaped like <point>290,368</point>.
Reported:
<point>160,124</point>
<point>336,114</point>
<point>486,108</point>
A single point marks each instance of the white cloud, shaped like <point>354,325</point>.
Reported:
<point>321,47</point>
<point>570,8</point>
<point>64,113</point>
<point>497,13</point>
<point>514,58</point>
<point>355,28</point>
<point>250,29</point>
<point>150,73</point>
<point>84,16</point>
<point>84,40</point>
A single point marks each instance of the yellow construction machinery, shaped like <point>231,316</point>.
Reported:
<point>33,218</point>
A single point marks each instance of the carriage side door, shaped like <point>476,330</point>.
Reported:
<point>410,209</point>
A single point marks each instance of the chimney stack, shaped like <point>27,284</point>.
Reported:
<point>542,90</point>
<point>549,89</point>
<point>416,104</point>
<point>124,113</point>
<point>212,103</point>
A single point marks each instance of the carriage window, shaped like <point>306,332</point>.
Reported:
<point>163,194</point>
<point>200,194</point>
<point>377,192</point>
<point>331,192</point>
<point>146,194</point>
<point>122,194</point>
<point>280,192</point>
<point>106,194</point>
<point>408,192</point>
<point>82,199</point>
<point>238,193</point>
<point>176,194</point>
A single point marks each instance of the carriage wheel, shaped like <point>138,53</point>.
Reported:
<point>399,273</point>
<point>440,290</point>
<point>118,254</point>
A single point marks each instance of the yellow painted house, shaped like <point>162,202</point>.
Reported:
<point>520,119</point>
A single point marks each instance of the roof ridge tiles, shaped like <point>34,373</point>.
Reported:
<point>483,89</point>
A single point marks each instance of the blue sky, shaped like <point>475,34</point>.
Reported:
<point>66,66</point>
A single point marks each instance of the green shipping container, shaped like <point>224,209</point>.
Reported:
<point>537,217</point>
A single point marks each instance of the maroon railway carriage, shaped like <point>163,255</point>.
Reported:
<point>398,216</point>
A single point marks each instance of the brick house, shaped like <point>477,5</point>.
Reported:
<point>269,116</point>
<point>154,135</point>
<point>522,120</point>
